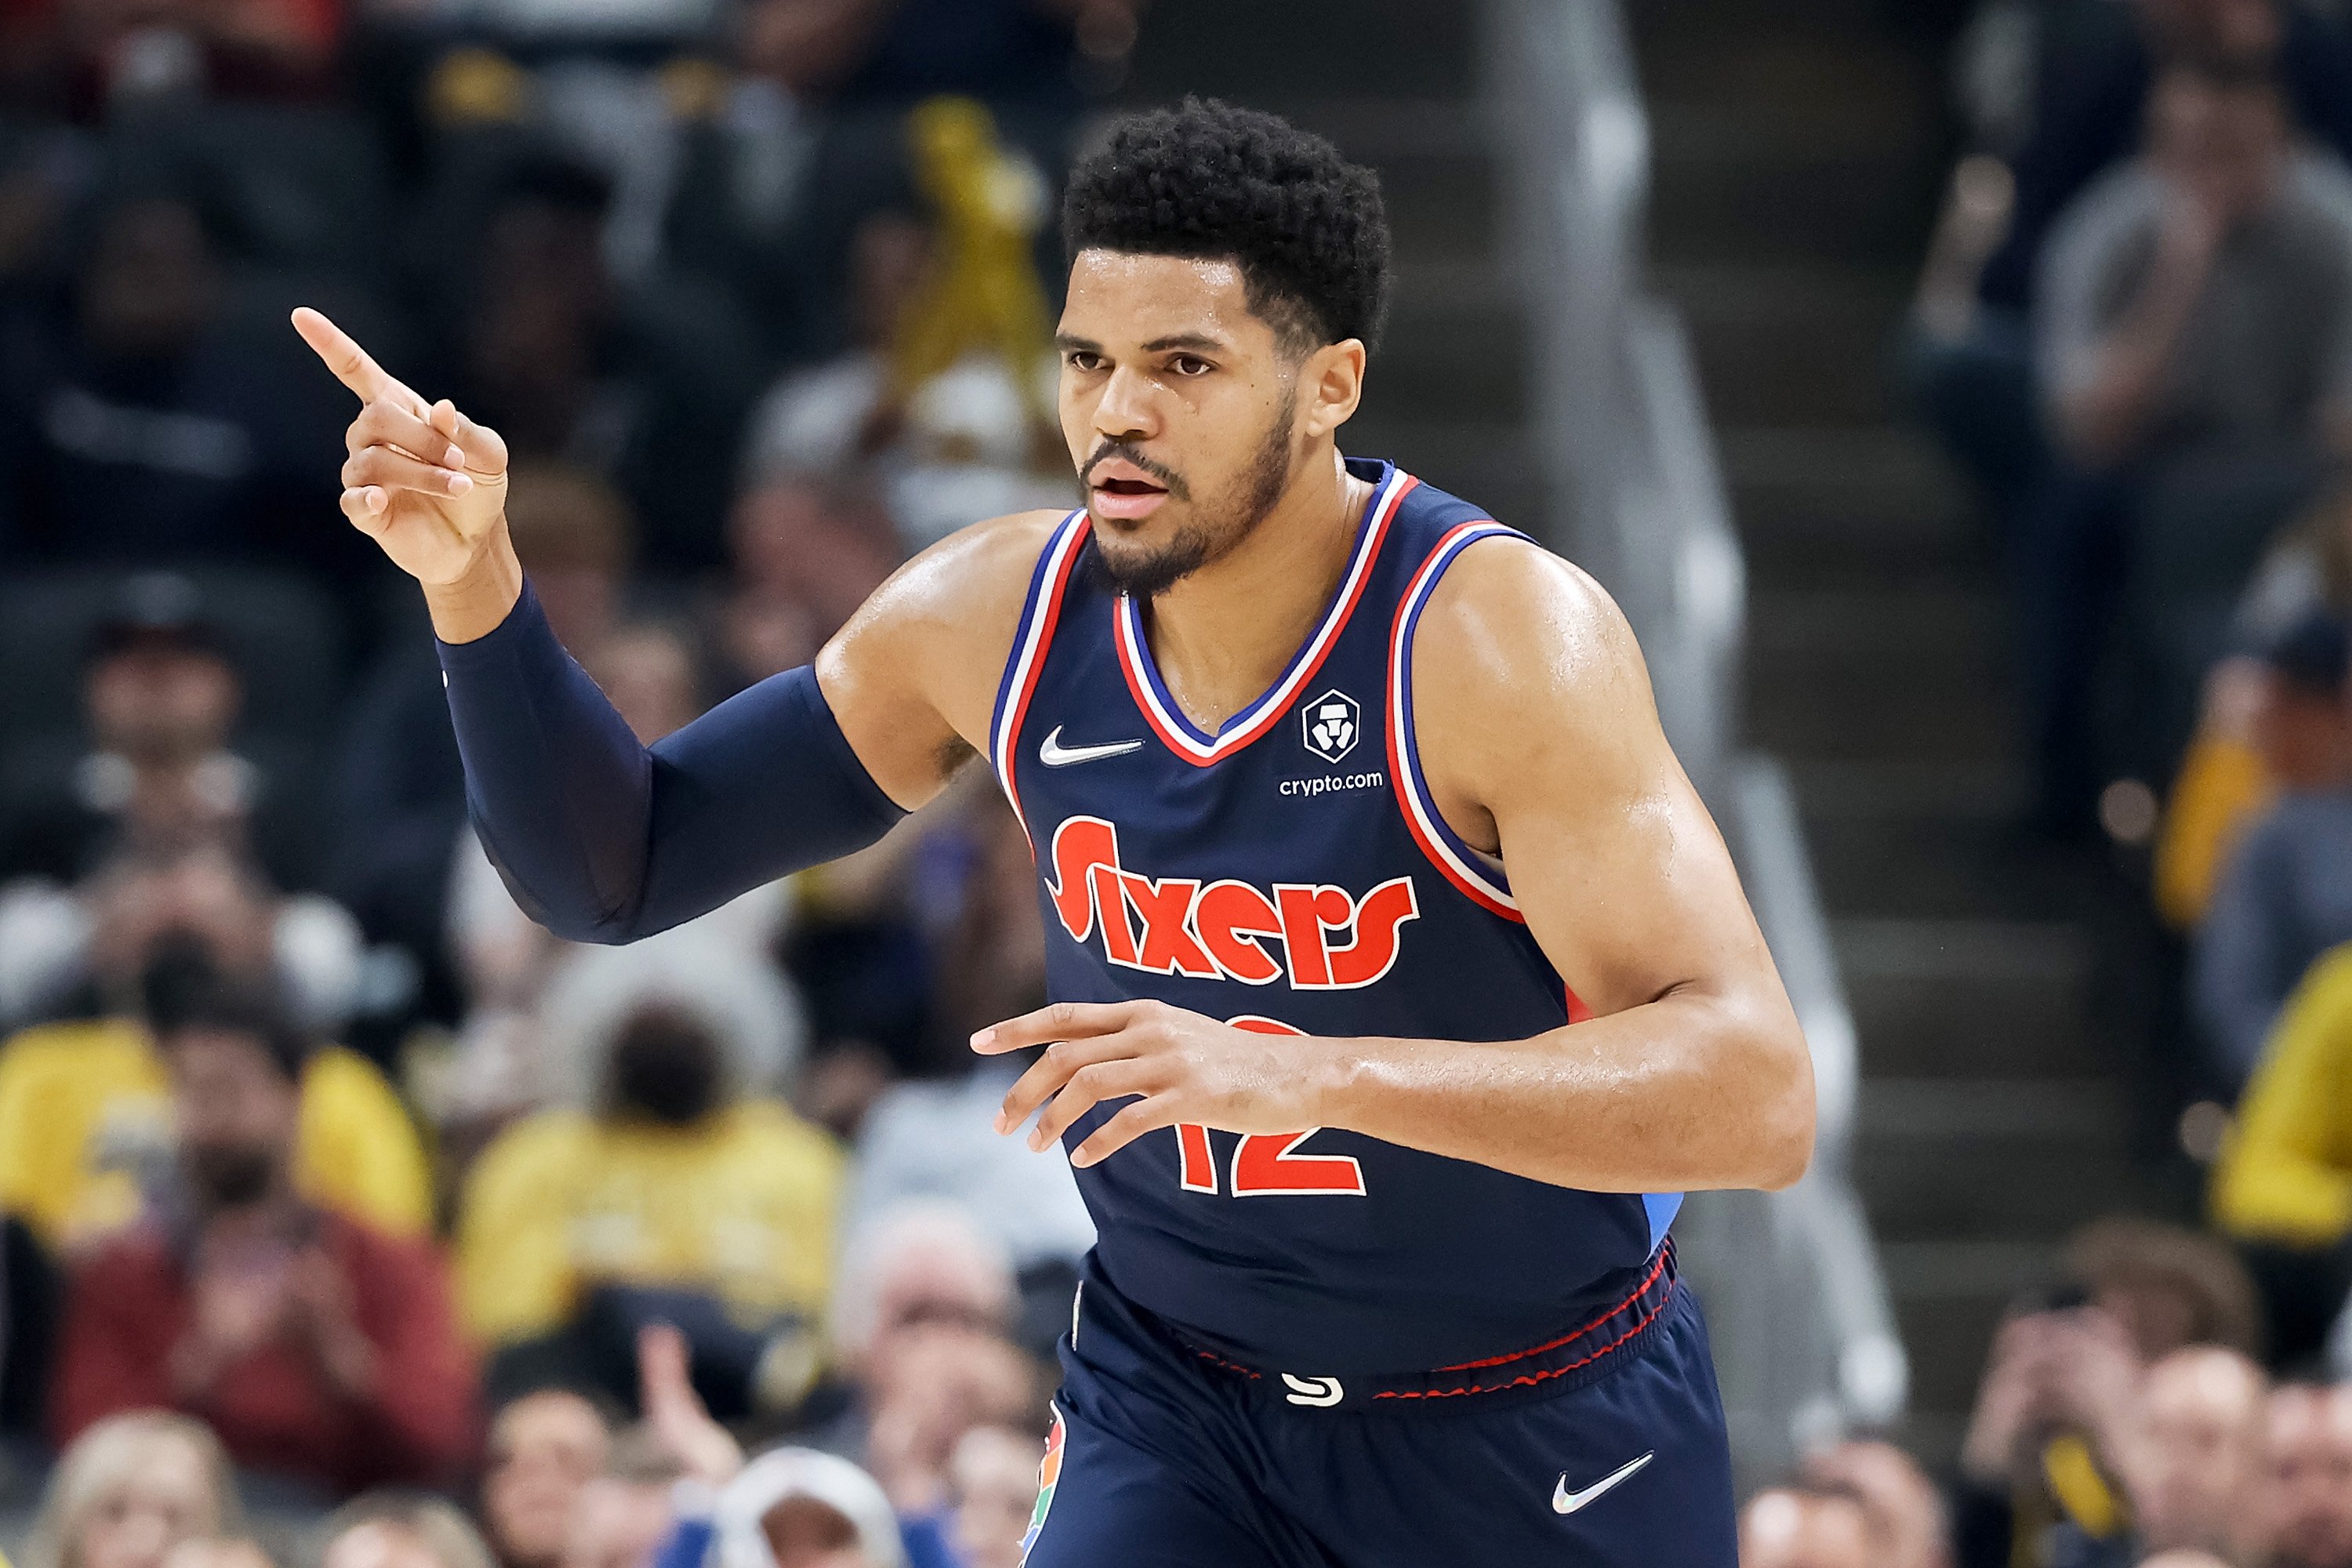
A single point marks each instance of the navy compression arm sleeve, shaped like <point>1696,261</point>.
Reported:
<point>602,839</point>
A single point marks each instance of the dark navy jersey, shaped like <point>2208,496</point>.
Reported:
<point>1290,874</point>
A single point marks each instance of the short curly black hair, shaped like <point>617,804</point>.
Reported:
<point>1206,179</point>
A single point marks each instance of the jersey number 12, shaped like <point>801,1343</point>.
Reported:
<point>1263,1164</point>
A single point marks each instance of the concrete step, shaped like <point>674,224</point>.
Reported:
<point>1932,842</point>
<point>1992,1159</point>
<point>1272,57</point>
<point>1459,357</point>
<point>1957,1000</point>
<point>1833,178</point>
<point>1910,674</point>
<point>1852,507</point>
<point>1787,345</point>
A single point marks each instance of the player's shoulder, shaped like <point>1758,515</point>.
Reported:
<point>975,570</point>
<point>1507,614</point>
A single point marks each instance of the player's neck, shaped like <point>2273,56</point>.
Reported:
<point>1223,634</point>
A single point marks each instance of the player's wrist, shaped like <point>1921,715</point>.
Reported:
<point>1332,1083</point>
<point>478,600</point>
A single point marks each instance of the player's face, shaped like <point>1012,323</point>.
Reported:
<point>1182,409</point>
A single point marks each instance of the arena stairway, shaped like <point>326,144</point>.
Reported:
<point>1798,152</point>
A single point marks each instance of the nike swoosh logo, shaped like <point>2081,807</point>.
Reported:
<point>1054,755</point>
<point>1566,1501</point>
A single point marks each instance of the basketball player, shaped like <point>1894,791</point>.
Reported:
<point>1400,980</point>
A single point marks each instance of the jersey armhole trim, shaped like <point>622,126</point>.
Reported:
<point>1039,613</point>
<point>1482,885</point>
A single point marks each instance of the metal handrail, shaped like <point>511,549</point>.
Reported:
<point>1804,1333</point>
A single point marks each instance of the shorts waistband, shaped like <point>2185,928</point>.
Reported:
<point>1583,1355</point>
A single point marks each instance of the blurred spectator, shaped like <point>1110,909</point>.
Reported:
<point>318,1348</point>
<point>821,420</point>
<point>544,1447</point>
<point>2167,1286</point>
<point>943,406</point>
<point>129,1490</point>
<point>80,952</point>
<point>84,1113</point>
<point>566,365</point>
<point>2083,111</point>
<point>1900,1504</point>
<point>400,785</point>
<point>2308,1516</point>
<point>219,1552</point>
<point>993,1480</point>
<point>797,1508</point>
<point>1800,1527</point>
<point>925,1301</point>
<point>2192,353</point>
<point>161,697</point>
<point>400,1530</point>
<point>2287,895</point>
<point>676,1198</point>
<point>153,431</point>
<point>807,553</point>
<point>98,59</point>
<point>2189,1453</point>
<point>2040,1461</point>
<point>625,1514</point>
<point>2091,89</point>
<point>2284,1183</point>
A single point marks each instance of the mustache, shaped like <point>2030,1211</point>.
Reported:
<point>1128,453</point>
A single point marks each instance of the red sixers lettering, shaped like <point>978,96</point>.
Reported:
<point>1220,931</point>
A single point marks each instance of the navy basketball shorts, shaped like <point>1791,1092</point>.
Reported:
<point>1604,1448</point>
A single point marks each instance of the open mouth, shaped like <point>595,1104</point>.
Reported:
<point>1124,495</point>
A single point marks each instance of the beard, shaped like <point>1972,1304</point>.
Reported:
<point>1146,574</point>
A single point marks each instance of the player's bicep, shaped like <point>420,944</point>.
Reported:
<point>1538,711</point>
<point>911,678</point>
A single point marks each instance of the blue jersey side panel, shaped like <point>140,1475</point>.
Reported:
<point>1291,872</point>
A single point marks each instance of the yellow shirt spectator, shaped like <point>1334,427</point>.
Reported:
<point>2285,1176</point>
<point>741,1206</point>
<point>85,1109</point>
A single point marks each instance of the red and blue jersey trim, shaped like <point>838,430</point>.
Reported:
<point>1039,613</point>
<point>1477,878</point>
<point>1184,738</point>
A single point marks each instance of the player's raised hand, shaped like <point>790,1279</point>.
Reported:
<point>422,480</point>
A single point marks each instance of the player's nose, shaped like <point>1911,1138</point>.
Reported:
<point>1128,410</point>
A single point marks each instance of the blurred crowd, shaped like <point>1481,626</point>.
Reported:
<point>2124,1421</point>
<point>343,1211</point>
<point>2133,334</point>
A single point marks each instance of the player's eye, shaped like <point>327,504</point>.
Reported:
<point>1189,364</point>
<point>1082,362</point>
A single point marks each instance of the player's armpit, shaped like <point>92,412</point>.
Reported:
<point>913,678</point>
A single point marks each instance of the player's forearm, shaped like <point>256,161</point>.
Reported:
<point>602,839</point>
<point>1686,1093</point>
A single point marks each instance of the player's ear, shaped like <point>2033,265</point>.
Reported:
<point>1330,385</point>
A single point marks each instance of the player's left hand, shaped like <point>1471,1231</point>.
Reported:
<point>1186,1068</point>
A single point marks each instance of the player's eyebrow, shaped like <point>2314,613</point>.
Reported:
<point>1183,341</point>
<point>1070,344</point>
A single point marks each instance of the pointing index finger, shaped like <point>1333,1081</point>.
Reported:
<point>353,364</point>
